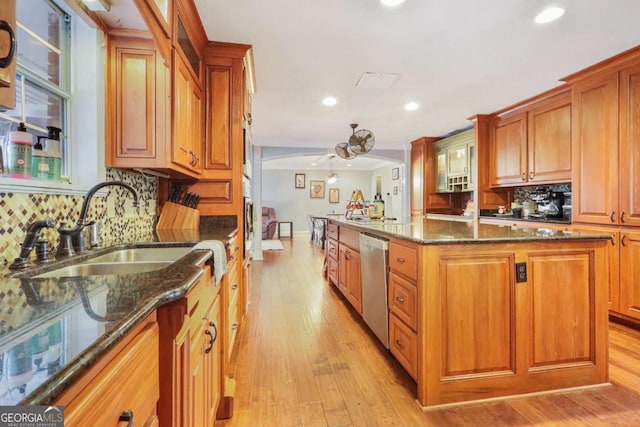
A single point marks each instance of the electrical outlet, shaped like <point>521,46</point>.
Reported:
<point>521,272</point>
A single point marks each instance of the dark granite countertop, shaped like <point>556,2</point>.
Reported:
<point>444,232</point>
<point>52,330</point>
<point>532,220</point>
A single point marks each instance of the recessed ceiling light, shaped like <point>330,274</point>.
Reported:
<point>411,106</point>
<point>329,101</point>
<point>391,3</point>
<point>349,164</point>
<point>314,164</point>
<point>549,14</point>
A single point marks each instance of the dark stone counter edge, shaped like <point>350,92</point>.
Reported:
<point>49,391</point>
<point>470,240</point>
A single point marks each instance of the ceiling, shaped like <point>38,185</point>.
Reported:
<point>454,58</point>
<point>323,162</point>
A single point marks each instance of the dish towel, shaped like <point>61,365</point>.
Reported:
<point>219,256</point>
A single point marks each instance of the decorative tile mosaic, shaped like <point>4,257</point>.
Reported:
<point>521,194</point>
<point>119,221</point>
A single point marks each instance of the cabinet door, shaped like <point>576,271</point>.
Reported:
<point>630,273</point>
<point>549,142</point>
<point>187,117</point>
<point>181,112</point>
<point>212,373</point>
<point>198,407</point>
<point>595,150</point>
<point>457,161</point>
<point>629,193</point>
<point>137,94</point>
<point>354,281</point>
<point>8,74</point>
<point>508,151</point>
<point>441,171</point>
<point>417,180</point>
<point>343,269</point>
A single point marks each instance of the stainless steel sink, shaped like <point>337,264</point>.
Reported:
<point>142,255</point>
<point>106,268</point>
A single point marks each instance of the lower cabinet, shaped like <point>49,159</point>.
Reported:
<point>190,357</point>
<point>349,281</point>
<point>126,388</point>
<point>403,344</point>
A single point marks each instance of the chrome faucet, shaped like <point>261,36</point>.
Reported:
<point>30,242</point>
<point>71,238</point>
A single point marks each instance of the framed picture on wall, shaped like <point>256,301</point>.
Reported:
<point>316,189</point>
<point>334,195</point>
<point>300,180</point>
<point>395,173</point>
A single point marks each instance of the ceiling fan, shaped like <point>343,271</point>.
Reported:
<point>360,142</point>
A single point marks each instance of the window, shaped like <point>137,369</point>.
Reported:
<point>42,82</point>
<point>59,80</point>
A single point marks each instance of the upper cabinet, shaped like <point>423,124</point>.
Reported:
<point>606,146</point>
<point>532,145</point>
<point>454,163</point>
<point>8,51</point>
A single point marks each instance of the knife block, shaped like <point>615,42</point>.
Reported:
<point>175,216</point>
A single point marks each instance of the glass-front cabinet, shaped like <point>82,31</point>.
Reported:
<point>454,159</point>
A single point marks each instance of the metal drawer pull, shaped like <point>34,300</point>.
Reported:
<point>126,416</point>
<point>211,340</point>
<point>624,240</point>
<point>612,215</point>
<point>530,175</point>
<point>234,287</point>
<point>400,300</point>
<point>524,176</point>
<point>234,326</point>
<point>622,217</point>
<point>400,260</point>
<point>399,344</point>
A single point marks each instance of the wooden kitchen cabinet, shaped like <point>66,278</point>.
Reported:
<point>349,278</point>
<point>629,245</point>
<point>191,380</point>
<point>187,116</point>
<point>8,73</point>
<point>508,335</point>
<point>157,15</point>
<point>532,145</point>
<point>606,146</point>
<point>127,384</point>
<point>138,130</point>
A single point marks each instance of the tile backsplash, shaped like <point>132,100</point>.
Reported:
<point>119,220</point>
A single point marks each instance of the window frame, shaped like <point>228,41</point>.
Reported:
<point>84,106</point>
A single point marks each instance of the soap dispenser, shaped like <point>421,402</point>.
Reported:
<point>19,153</point>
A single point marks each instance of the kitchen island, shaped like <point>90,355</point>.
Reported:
<point>482,311</point>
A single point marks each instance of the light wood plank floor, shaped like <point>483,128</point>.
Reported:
<point>306,359</point>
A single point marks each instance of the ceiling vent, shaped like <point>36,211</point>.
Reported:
<point>376,80</point>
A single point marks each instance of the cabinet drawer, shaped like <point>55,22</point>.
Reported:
<point>129,382</point>
<point>403,301</point>
<point>332,248</point>
<point>404,260</point>
<point>333,270</point>
<point>403,344</point>
<point>332,231</point>
<point>350,238</point>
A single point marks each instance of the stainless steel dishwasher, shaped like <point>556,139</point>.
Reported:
<point>374,259</point>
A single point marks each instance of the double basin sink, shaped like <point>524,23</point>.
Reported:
<point>123,261</point>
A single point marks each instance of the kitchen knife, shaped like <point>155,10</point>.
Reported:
<point>172,194</point>
<point>196,200</point>
<point>178,194</point>
<point>187,199</point>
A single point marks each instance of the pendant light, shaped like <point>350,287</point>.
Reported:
<point>333,177</point>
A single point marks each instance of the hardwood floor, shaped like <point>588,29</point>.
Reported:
<point>306,359</point>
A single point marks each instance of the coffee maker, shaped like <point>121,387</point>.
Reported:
<point>554,207</point>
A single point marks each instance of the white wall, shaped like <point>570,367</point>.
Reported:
<point>293,204</point>
<point>392,202</point>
